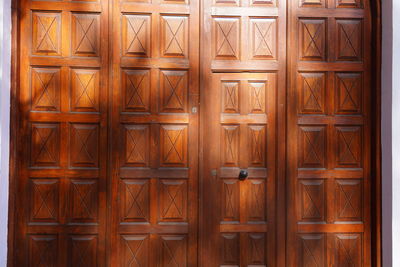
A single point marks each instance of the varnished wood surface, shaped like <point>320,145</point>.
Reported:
<point>118,164</point>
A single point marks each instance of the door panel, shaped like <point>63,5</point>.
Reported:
<point>329,134</point>
<point>244,81</point>
<point>118,164</point>
<point>61,219</point>
<point>154,133</point>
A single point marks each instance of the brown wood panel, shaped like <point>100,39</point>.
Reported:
<point>154,120</point>
<point>243,78</point>
<point>62,164</point>
<point>133,119</point>
<point>329,142</point>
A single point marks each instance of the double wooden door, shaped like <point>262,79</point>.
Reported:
<point>137,117</point>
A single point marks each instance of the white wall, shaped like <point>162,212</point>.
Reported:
<point>5,59</point>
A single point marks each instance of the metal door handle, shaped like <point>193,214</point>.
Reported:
<point>243,175</point>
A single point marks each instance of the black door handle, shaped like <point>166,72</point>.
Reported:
<point>243,175</point>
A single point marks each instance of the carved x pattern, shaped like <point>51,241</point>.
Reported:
<point>173,148</point>
<point>85,32</point>
<point>349,90</point>
<point>134,253</point>
<point>225,37</point>
<point>257,145</point>
<point>135,34</point>
<point>134,198</point>
<point>257,92</point>
<point>45,87</point>
<point>173,38</point>
<point>137,140</point>
<point>136,90</point>
<point>313,39</point>
<point>312,148</point>
<point>171,255</point>
<point>309,251</point>
<point>173,93</point>
<point>84,90</point>
<point>83,198</point>
<point>313,88</point>
<point>348,197</point>
<point>229,139</point>
<point>84,143</point>
<point>229,200</point>
<point>82,253</point>
<point>348,36</point>
<point>231,93</point>
<point>43,199</point>
<point>46,34</point>
<point>43,146</point>
<point>348,255</point>
<point>348,144</point>
<point>263,38</point>
<point>313,206</point>
<point>172,198</point>
<point>43,253</point>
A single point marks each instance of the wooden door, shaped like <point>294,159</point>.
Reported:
<point>61,174</point>
<point>329,129</point>
<point>155,76</point>
<point>243,79</point>
<point>118,164</point>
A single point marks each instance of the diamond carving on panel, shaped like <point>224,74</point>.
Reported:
<point>348,200</point>
<point>256,200</point>
<point>173,200</point>
<point>257,145</point>
<point>230,200</point>
<point>312,194</point>
<point>83,200</point>
<point>226,38</point>
<point>173,250</point>
<point>348,146</point>
<point>312,3</point>
<point>45,144</point>
<point>230,145</point>
<point>312,250</point>
<point>230,249</point>
<point>46,88</point>
<point>135,250</point>
<point>348,250</point>
<point>174,36</point>
<point>312,39</point>
<point>135,200</point>
<point>82,250</point>
<point>174,90</point>
<point>257,97</point>
<point>263,38</point>
<point>136,90</point>
<point>174,145</point>
<point>85,87</point>
<point>43,250</point>
<point>44,200</point>
<point>349,3</point>
<point>312,146</point>
<point>84,145</point>
<point>348,93</point>
<point>136,32</point>
<point>257,249</point>
<point>311,93</point>
<point>349,39</point>
<point>46,33</point>
<point>136,145</point>
<point>230,96</point>
<point>85,34</point>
